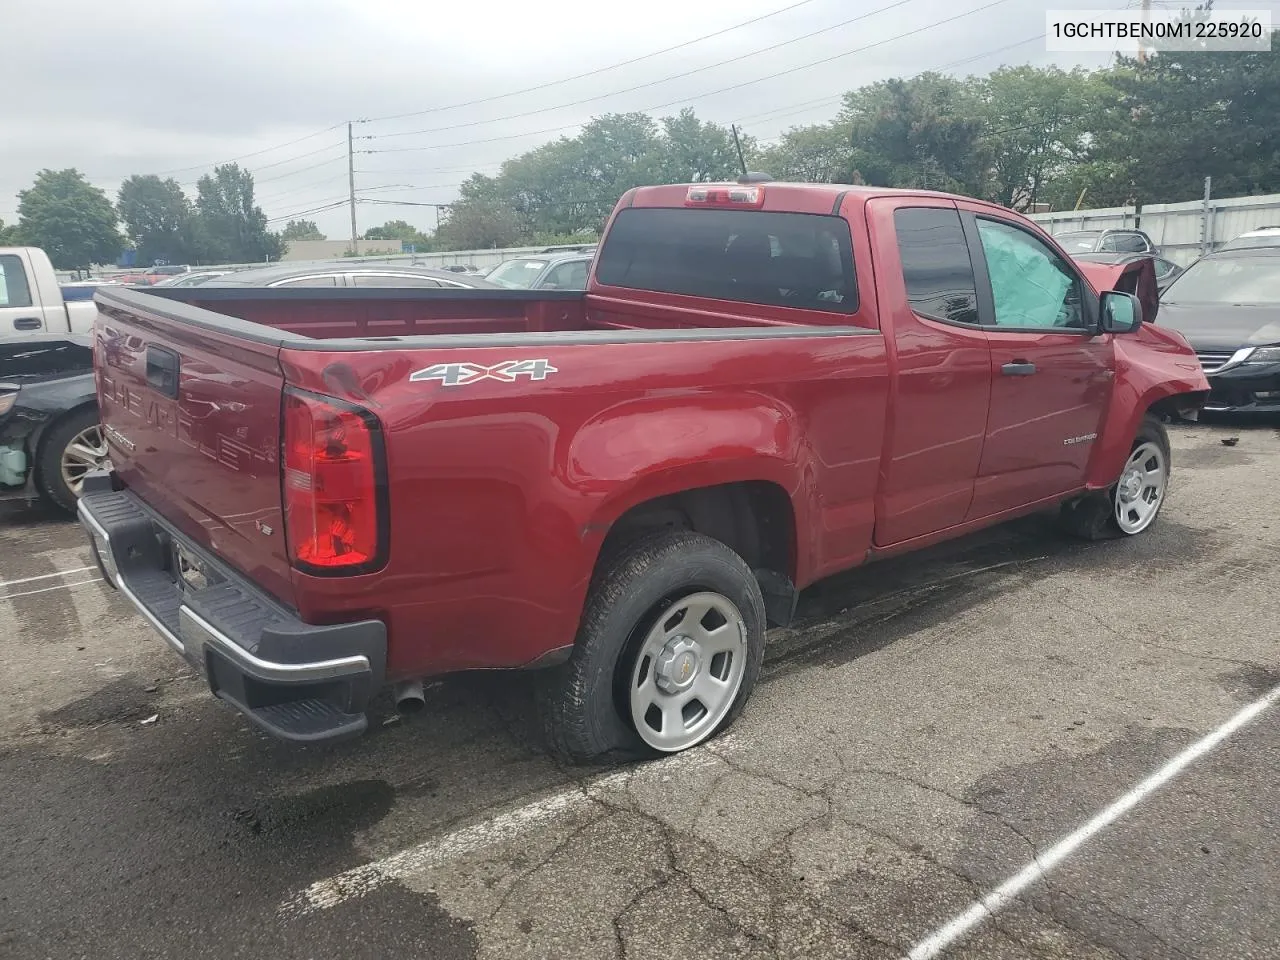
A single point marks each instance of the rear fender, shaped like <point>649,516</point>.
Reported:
<point>1152,365</point>
<point>646,449</point>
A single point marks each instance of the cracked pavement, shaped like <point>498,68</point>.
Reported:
<point>930,724</point>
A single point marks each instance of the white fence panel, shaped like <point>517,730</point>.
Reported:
<point>1178,229</point>
<point>1104,218</point>
<point>1175,228</point>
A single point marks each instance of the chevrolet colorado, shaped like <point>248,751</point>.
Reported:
<point>317,493</point>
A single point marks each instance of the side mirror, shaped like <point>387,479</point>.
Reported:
<point>1120,312</point>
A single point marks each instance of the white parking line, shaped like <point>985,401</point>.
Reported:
<point>61,586</point>
<point>45,576</point>
<point>999,898</point>
<point>362,880</point>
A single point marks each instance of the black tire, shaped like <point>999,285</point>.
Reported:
<point>583,705</point>
<point>49,459</point>
<point>1093,516</point>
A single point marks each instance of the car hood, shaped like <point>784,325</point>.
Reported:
<point>1222,327</point>
<point>1137,277</point>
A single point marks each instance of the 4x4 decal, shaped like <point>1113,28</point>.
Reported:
<point>460,374</point>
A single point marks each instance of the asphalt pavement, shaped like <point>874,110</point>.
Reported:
<point>934,726</point>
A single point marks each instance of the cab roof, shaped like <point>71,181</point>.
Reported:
<point>786,197</point>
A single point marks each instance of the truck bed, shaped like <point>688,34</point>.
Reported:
<point>325,313</point>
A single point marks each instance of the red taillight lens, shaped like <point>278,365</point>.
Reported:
<point>334,512</point>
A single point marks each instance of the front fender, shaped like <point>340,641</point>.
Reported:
<point>1151,365</point>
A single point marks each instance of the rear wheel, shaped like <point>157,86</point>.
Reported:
<point>669,650</point>
<point>72,448</point>
<point>1131,506</point>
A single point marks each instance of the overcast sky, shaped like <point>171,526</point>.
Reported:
<point>172,88</point>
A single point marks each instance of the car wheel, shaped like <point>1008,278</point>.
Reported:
<point>1131,505</point>
<point>668,651</point>
<point>73,447</point>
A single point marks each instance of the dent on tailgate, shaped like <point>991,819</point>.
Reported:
<point>203,452</point>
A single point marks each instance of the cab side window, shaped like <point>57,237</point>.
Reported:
<point>1031,286</point>
<point>936,264</point>
<point>14,291</point>
<point>568,276</point>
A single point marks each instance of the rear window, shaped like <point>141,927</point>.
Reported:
<point>779,259</point>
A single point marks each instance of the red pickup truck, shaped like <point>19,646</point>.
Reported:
<point>320,493</point>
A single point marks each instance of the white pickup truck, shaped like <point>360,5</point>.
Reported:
<point>31,302</point>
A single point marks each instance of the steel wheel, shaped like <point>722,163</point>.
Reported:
<point>688,671</point>
<point>1141,488</point>
<point>87,451</point>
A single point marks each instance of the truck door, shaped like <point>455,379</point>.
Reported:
<point>940,363</point>
<point>1051,376</point>
<point>20,311</point>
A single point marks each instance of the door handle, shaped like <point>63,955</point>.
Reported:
<point>28,323</point>
<point>162,371</point>
<point>1019,368</point>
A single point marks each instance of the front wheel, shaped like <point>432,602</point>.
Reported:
<point>1130,506</point>
<point>669,650</point>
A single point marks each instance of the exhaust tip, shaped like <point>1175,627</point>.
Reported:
<point>409,697</point>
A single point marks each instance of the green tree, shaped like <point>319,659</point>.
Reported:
<point>301,230</point>
<point>691,151</point>
<point>9,236</point>
<point>1038,126</point>
<point>478,223</point>
<point>402,232</point>
<point>925,132</point>
<point>70,219</point>
<point>157,219</point>
<point>230,227</point>
<point>820,153</point>
<point>1182,117</point>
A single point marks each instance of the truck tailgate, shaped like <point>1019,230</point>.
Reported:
<point>192,418</point>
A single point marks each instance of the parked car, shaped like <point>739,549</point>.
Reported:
<point>346,275</point>
<point>1105,241</point>
<point>50,437</point>
<point>1227,304</point>
<point>192,278</point>
<point>32,304</point>
<point>1166,271</point>
<point>81,289</point>
<point>152,275</point>
<point>1262,237</point>
<point>763,385</point>
<point>552,271</point>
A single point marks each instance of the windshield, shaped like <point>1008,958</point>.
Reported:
<point>1228,280</point>
<point>517,274</point>
<point>1083,240</point>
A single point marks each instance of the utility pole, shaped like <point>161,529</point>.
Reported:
<point>1146,18</point>
<point>351,180</point>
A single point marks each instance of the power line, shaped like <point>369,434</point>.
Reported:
<point>710,93</point>
<point>591,73</point>
<point>246,156</point>
<point>325,205</point>
<point>775,114</point>
<point>650,83</point>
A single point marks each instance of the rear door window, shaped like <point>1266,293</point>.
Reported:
<point>752,256</point>
<point>936,264</point>
<point>14,291</point>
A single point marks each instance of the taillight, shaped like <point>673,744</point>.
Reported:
<point>334,486</point>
